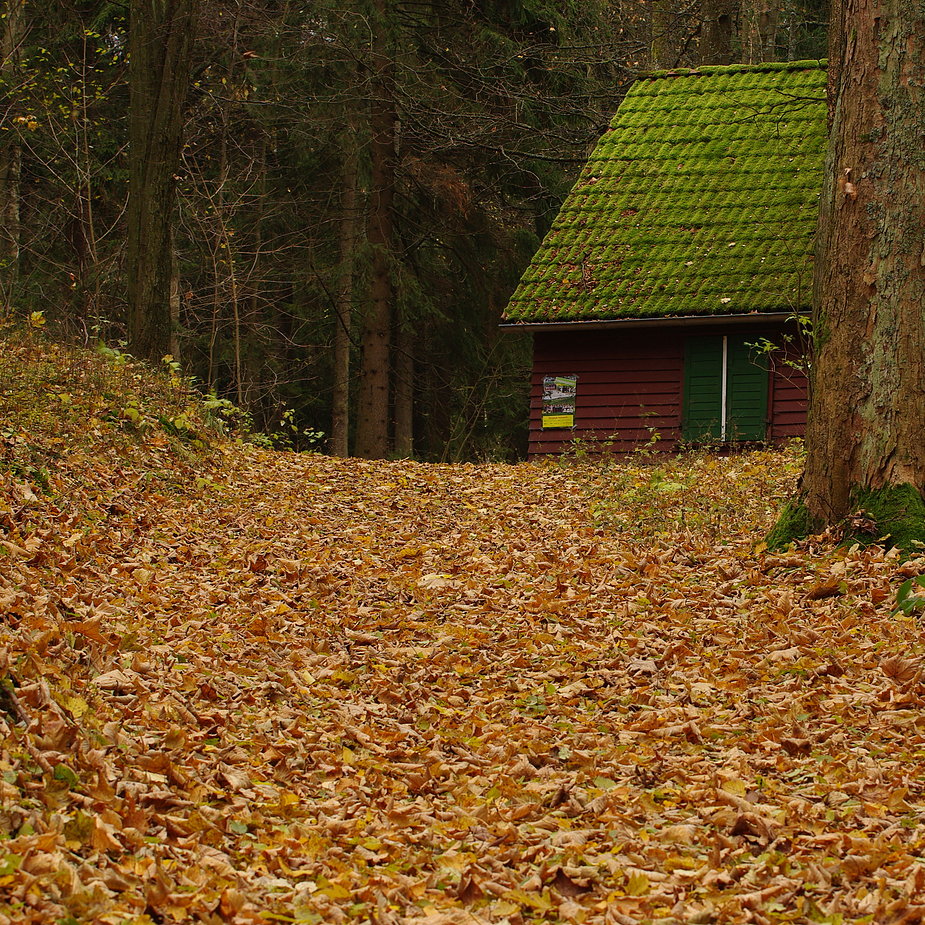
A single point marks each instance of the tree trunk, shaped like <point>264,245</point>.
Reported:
<point>160,46</point>
<point>372,437</point>
<point>257,321</point>
<point>343,309</point>
<point>404,390</point>
<point>716,32</point>
<point>759,30</point>
<point>865,446</point>
<point>662,54</point>
<point>10,174</point>
<point>173,344</point>
<point>11,32</point>
<point>85,238</point>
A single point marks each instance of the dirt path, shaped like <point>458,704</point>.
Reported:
<point>302,689</point>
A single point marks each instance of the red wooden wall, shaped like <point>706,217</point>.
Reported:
<point>787,398</point>
<point>630,385</point>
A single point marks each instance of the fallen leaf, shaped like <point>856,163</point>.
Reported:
<point>900,668</point>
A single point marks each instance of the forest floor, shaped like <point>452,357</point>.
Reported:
<point>246,686</point>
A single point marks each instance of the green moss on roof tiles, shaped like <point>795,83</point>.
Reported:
<point>700,198</point>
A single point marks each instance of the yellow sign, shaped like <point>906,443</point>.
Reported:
<point>558,420</point>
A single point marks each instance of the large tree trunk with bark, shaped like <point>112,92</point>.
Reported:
<point>866,432</point>
<point>160,46</point>
<point>372,434</point>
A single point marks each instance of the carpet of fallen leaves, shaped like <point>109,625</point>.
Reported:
<point>243,686</point>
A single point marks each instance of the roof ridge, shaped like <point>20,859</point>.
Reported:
<point>762,67</point>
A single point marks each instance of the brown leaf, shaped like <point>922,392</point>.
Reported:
<point>362,639</point>
<point>753,826</point>
<point>570,911</point>
<point>91,630</point>
<point>563,884</point>
<point>234,778</point>
<point>902,912</point>
<point>684,834</point>
<point>900,668</point>
<point>103,837</point>
<point>858,865</point>
<point>832,669</point>
<point>825,589</point>
<point>793,746</point>
<point>117,681</point>
<point>468,890</point>
<point>232,902</point>
<point>644,666</point>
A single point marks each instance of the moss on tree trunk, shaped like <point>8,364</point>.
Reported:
<point>893,515</point>
<point>795,523</point>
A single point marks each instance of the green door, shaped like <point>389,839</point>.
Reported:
<point>703,389</point>
<point>725,390</point>
<point>746,391</point>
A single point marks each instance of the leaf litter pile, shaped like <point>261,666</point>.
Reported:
<point>246,686</point>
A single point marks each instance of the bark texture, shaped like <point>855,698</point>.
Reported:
<point>373,404</point>
<point>867,410</point>
<point>343,309</point>
<point>759,22</point>
<point>11,32</point>
<point>404,389</point>
<point>662,52</point>
<point>160,47</point>
<point>716,32</point>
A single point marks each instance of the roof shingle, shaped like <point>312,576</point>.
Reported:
<point>700,199</point>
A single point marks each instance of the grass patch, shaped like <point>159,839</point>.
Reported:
<point>698,492</point>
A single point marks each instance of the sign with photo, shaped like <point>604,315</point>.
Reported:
<point>559,401</point>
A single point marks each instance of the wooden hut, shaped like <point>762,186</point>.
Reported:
<point>681,256</point>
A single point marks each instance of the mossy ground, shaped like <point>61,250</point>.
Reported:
<point>889,516</point>
<point>794,523</point>
<point>899,513</point>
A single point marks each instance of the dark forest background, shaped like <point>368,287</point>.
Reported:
<point>282,275</point>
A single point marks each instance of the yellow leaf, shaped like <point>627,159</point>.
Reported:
<point>735,786</point>
<point>76,706</point>
<point>637,884</point>
<point>336,891</point>
<point>679,862</point>
<point>541,902</point>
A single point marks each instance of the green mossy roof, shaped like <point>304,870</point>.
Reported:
<point>700,199</point>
